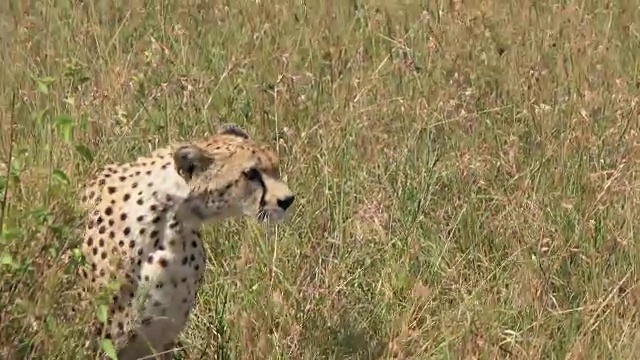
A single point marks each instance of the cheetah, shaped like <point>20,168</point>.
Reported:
<point>142,230</point>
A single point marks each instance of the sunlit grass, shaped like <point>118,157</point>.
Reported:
<point>466,172</point>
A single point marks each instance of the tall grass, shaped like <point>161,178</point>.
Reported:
<point>466,172</point>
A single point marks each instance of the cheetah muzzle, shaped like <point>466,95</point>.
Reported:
<point>142,229</point>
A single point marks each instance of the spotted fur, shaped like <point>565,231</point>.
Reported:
<point>142,232</point>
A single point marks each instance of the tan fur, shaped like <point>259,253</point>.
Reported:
<point>143,222</point>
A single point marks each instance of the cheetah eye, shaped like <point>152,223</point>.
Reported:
<point>252,174</point>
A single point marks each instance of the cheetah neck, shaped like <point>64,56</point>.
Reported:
<point>156,209</point>
<point>171,193</point>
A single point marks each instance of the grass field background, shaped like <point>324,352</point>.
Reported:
<point>466,172</point>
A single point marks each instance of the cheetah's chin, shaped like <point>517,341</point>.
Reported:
<point>270,217</point>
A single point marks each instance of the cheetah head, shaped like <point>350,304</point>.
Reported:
<point>230,175</point>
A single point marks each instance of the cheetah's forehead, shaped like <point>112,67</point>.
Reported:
<point>244,151</point>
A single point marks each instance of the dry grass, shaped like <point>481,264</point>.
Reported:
<point>467,172</point>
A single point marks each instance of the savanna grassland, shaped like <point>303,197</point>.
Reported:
<point>466,172</point>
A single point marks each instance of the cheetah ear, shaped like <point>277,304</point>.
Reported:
<point>232,129</point>
<point>189,160</point>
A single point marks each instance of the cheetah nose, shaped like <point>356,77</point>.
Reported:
<point>286,202</point>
